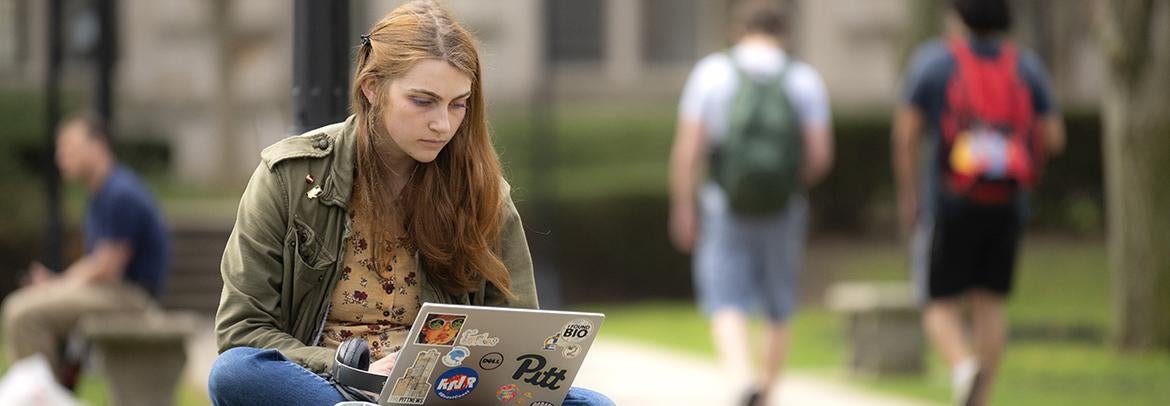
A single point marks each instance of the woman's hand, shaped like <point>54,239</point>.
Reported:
<point>385,365</point>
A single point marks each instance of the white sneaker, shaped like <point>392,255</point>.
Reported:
<point>964,381</point>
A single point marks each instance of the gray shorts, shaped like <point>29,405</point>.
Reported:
<point>749,264</point>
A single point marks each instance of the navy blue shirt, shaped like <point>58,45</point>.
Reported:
<point>123,210</point>
<point>931,69</point>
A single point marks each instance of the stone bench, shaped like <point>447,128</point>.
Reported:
<point>883,327</point>
<point>141,355</point>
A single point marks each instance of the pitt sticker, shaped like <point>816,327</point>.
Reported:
<point>490,361</point>
<point>455,357</point>
<point>507,393</point>
<point>541,403</point>
<point>456,383</point>
<point>571,351</point>
<point>412,387</point>
<point>441,329</point>
<point>473,338</point>
<point>576,330</point>
<point>533,371</point>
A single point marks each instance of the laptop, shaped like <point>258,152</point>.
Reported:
<point>477,355</point>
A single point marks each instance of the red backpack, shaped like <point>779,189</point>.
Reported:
<point>991,149</point>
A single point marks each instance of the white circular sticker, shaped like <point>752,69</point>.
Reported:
<point>571,351</point>
<point>576,330</point>
<point>455,357</point>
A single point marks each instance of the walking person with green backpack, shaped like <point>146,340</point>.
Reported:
<point>753,134</point>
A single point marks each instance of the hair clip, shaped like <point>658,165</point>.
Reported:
<point>365,39</point>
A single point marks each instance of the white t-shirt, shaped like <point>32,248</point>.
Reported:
<point>711,87</point>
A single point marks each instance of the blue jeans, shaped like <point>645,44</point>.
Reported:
<point>253,376</point>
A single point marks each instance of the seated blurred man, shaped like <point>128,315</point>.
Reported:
<point>125,261</point>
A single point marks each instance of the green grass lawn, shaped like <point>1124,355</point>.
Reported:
<point>1060,283</point>
<point>92,390</point>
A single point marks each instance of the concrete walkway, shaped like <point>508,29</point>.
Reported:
<point>633,374</point>
<point>637,374</point>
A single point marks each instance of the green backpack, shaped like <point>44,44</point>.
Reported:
<point>758,163</point>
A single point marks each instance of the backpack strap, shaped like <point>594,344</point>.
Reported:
<point>739,72</point>
<point>965,56</point>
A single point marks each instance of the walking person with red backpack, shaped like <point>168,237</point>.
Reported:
<point>758,121</point>
<point>980,109</point>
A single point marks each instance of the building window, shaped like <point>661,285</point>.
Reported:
<point>574,30</point>
<point>668,30</point>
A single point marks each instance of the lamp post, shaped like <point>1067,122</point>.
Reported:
<point>320,63</point>
<point>104,53</point>
<point>52,253</point>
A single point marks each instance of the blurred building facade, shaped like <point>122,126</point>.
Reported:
<point>213,76</point>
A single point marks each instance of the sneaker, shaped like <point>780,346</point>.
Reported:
<point>964,382</point>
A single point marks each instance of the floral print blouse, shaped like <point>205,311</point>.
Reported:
<point>376,304</point>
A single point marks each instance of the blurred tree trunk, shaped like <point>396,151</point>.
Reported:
<point>923,21</point>
<point>1053,29</point>
<point>1136,111</point>
<point>225,103</point>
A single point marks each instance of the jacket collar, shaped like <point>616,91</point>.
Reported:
<point>339,186</point>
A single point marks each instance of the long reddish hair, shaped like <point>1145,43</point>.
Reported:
<point>450,207</point>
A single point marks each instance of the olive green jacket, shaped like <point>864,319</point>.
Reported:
<point>281,262</point>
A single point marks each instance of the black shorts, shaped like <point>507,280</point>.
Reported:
<point>972,247</point>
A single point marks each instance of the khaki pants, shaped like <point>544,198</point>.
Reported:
<point>38,319</point>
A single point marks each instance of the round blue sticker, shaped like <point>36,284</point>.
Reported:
<point>456,383</point>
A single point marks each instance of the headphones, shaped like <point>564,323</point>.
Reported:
<point>352,366</point>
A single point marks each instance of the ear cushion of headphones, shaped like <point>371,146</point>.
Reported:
<point>355,352</point>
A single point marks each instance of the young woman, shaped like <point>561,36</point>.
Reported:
<point>344,231</point>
